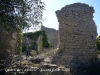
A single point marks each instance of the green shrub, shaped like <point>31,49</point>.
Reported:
<point>98,43</point>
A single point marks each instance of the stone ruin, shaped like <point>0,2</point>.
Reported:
<point>77,34</point>
<point>8,44</point>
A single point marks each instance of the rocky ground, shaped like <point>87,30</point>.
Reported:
<point>39,64</point>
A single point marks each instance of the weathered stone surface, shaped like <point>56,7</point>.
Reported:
<point>8,44</point>
<point>14,43</point>
<point>52,35</point>
<point>49,66</point>
<point>37,60</point>
<point>77,34</point>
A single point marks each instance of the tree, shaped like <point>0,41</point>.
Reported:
<point>98,43</point>
<point>16,13</point>
<point>9,12</point>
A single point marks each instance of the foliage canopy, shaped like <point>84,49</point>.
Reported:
<point>15,16</point>
<point>17,13</point>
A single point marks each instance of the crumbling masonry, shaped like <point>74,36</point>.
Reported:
<point>77,33</point>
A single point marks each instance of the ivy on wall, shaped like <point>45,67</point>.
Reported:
<point>19,40</point>
<point>20,36</point>
<point>34,36</point>
<point>6,36</point>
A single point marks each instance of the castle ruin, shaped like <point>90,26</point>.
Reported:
<point>77,33</point>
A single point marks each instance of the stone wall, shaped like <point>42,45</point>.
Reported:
<point>77,33</point>
<point>8,43</point>
<point>52,35</point>
<point>14,43</point>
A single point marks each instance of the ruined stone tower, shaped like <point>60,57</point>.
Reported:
<point>77,33</point>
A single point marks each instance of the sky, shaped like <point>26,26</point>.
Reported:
<point>54,5</point>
